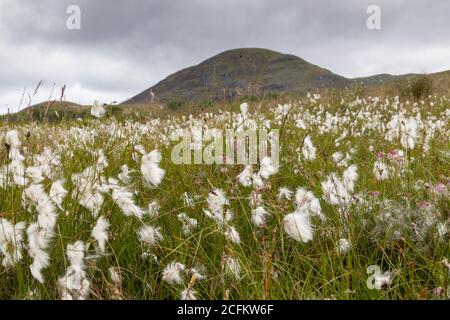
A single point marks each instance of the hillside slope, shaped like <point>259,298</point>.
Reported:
<point>241,72</point>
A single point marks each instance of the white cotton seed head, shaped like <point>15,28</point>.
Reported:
<point>12,139</point>
<point>285,193</point>
<point>150,235</point>
<point>267,168</point>
<point>298,226</point>
<point>245,177</point>
<point>232,266</point>
<point>188,294</point>
<point>343,246</point>
<point>232,235</point>
<point>308,149</point>
<point>11,242</point>
<point>35,174</point>
<point>100,232</point>
<point>244,108</point>
<point>97,110</point>
<point>57,192</point>
<point>172,273</point>
<point>380,170</point>
<point>152,174</point>
<point>259,216</point>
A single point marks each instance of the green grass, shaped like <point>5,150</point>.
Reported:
<point>273,265</point>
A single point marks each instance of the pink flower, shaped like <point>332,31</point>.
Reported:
<point>424,204</point>
<point>380,154</point>
<point>374,193</point>
<point>439,188</point>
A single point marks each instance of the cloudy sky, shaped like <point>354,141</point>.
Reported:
<point>124,47</point>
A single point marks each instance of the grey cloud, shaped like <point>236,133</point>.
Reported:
<point>126,46</point>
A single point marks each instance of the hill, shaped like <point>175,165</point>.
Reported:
<point>241,72</point>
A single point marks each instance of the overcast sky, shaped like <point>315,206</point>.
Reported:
<point>124,46</point>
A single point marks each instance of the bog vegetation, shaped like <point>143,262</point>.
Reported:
<point>358,207</point>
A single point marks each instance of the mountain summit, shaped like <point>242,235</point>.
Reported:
<point>240,72</point>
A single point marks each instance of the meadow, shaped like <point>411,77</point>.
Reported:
<point>357,208</point>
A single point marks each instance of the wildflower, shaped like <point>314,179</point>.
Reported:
<point>172,273</point>
<point>187,200</point>
<point>57,192</point>
<point>343,246</point>
<point>308,149</point>
<point>124,199</point>
<point>232,235</point>
<point>380,170</point>
<point>216,204</point>
<point>35,174</point>
<point>151,172</point>
<point>150,235</point>
<point>284,192</point>
<point>100,232</point>
<point>197,272</point>
<point>350,175</point>
<point>382,279</point>
<point>124,174</point>
<point>11,242</point>
<point>153,209</point>
<point>244,108</point>
<point>189,224</point>
<point>409,133</point>
<point>97,110</point>
<point>231,266</point>
<point>245,177</point>
<point>307,202</point>
<point>267,168</point>
<point>188,294</point>
<point>116,278</point>
<point>298,226</point>
<point>74,284</point>
<point>259,216</point>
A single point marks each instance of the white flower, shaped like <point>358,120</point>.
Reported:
<point>197,273</point>
<point>232,266</point>
<point>409,133</point>
<point>380,170</point>
<point>307,202</point>
<point>259,216</point>
<point>57,192</point>
<point>100,232</point>
<point>151,172</point>
<point>74,284</point>
<point>244,108</point>
<point>298,226</point>
<point>150,235</point>
<point>35,174</point>
<point>114,274</point>
<point>124,200</point>
<point>172,273</point>
<point>337,157</point>
<point>245,177</point>
<point>188,294</point>
<point>216,204</point>
<point>153,209</point>
<point>284,192</point>
<point>267,168</point>
<point>350,175</point>
<point>232,235</point>
<point>343,246</point>
<point>11,242</point>
<point>308,149</point>
<point>124,174</point>
<point>189,224</point>
<point>97,110</point>
<point>382,280</point>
